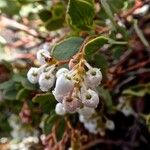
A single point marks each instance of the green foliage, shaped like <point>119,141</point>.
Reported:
<point>61,129</point>
<point>46,101</point>
<point>45,15</point>
<point>80,14</point>
<point>6,85</point>
<point>22,94</point>
<point>10,7</point>
<point>49,123</point>
<point>53,18</point>
<point>106,97</point>
<point>95,44</point>
<point>27,85</point>
<point>67,48</point>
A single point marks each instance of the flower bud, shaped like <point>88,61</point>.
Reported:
<point>33,75</point>
<point>42,55</point>
<point>46,81</point>
<point>90,98</point>
<point>62,71</point>
<point>59,109</point>
<point>93,77</point>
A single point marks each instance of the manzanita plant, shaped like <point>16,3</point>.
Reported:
<point>82,80</point>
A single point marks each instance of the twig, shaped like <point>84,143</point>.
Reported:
<point>136,66</point>
<point>13,24</point>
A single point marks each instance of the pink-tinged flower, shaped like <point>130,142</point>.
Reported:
<point>71,104</point>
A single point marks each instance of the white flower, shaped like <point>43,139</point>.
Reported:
<point>62,71</point>
<point>110,125</point>
<point>93,77</point>
<point>90,98</point>
<point>86,111</point>
<point>63,85</point>
<point>91,127</point>
<point>41,55</point>
<point>33,75</point>
<point>58,97</point>
<point>59,109</point>
<point>46,81</point>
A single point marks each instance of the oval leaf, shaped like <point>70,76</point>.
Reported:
<point>67,48</point>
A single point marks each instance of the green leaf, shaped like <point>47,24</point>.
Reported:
<point>27,85</point>
<point>95,44</point>
<point>81,13</point>
<point>67,48</point>
<point>18,78</point>
<point>10,7</point>
<point>115,7</point>
<point>58,10</point>
<point>7,85</point>
<point>101,62</point>
<point>54,23</point>
<point>46,101</point>
<point>118,51</point>
<point>53,18</point>
<point>61,129</point>
<point>10,94</point>
<point>45,15</point>
<point>105,94</point>
<point>49,122</point>
<point>22,94</point>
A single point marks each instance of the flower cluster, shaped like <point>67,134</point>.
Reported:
<point>45,74</point>
<point>75,88</point>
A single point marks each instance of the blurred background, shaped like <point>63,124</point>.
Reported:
<point>29,25</point>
